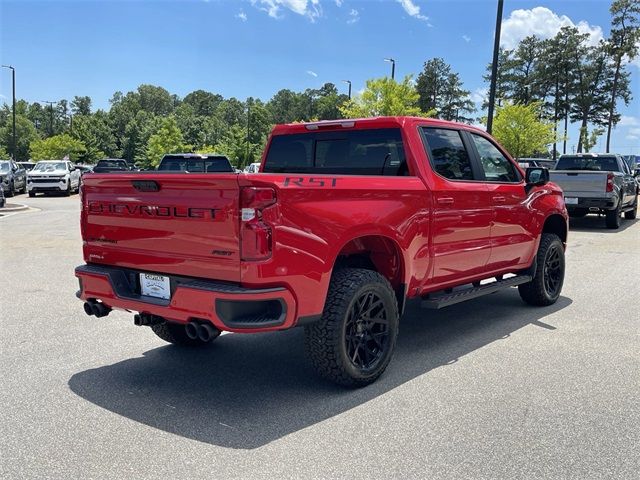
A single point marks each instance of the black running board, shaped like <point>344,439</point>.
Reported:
<point>435,302</point>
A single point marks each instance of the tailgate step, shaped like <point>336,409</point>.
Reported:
<point>445,299</point>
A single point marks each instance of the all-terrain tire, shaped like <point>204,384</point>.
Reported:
<point>612,218</point>
<point>32,194</point>
<point>12,190</point>
<point>174,333</point>
<point>546,285</point>
<point>67,192</point>
<point>633,213</point>
<point>350,324</point>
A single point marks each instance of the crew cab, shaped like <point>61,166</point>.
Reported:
<point>346,221</point>
<point>53,176</point>
<point>597,183</point>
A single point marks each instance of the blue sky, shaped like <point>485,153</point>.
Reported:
<point>256,47</point>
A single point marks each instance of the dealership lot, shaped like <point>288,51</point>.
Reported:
<point>486,389</point>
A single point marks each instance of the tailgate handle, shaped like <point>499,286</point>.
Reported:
<point>146,185</point>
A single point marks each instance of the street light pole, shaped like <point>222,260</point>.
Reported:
<point>494,66</point>
<point>393,67</point>
<point>349,83</point>
<point>13,78</point>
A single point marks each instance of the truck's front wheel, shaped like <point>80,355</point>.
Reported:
<point>175,333</point>
<point>544,289</point>
<point>353,342</point>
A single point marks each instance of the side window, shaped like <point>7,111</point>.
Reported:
<point>447,154</point>
<point>497,168</point>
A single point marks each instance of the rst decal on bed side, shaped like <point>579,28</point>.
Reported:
<point>329,182</point>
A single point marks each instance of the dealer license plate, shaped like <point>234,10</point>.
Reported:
<point>155,285</point>
<point>570,200</point>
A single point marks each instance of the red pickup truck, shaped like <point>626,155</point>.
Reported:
<point>345,221</point>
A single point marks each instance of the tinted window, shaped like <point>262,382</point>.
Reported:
<point>496,167</point>
<point>447,153</point>
<point>570,162</point>
<point>196,165</point>
<point>356,152</point>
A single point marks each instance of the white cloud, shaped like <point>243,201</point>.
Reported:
<point>466,38</point>
<point>632,137</point>
<point>413,10</point>
<point>634,131</point>
<point>307,8</point>
<point>543,23</point>
<point>339,3</point>
<point>629,121</point>
<point>479,95</point>
<point>312,73</point>
<point>354,16</point>
<point>242,16</point>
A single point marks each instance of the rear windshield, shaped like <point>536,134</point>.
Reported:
<point>606,164</point>
<point>356,152</point>
<point>196,165</point>
<point>112,164</point>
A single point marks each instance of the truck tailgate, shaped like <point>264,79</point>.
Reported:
<point>184,224</point>
<point>580,184</point>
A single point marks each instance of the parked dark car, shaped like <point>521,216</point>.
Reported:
<point>109,165</point>
<point>2,200</point>
<point>27,165</point>
<point>13,178</point>
<point>195,163</point>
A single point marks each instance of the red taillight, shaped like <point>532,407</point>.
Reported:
<point>609,182</point>
<point>255,234</point>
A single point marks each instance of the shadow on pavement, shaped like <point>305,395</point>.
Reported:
<point>595,223</point>
<point>248,390</point>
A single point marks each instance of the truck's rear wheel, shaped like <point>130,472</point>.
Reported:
<point>175,333</point>
<point>633,213</point>
<point>612,218</point>
<point>546,285</point>
<point>353,342</point>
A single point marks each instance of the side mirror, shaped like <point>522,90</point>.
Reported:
<point>536,176</point>
<point>636,172</point>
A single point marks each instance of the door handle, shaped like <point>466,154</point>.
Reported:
<point>499,199</point>
<point>445,200</point>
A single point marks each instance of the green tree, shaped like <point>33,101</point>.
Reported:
<point>168,139</point>
<point>385,97</point>
<point>594,72</point>
<point>622,44</point>
<point>589,140</point>
<point>3,153</point>
<point>25,134</point>
<point>519,129</point>
<point>81,105</point>
<point>203,103</point>
<point>235,146</point>
<point>57,147</point>
<point>94,132</point>
<point>441,90</point>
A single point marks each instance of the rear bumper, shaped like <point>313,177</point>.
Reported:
<point>227,306</point>
<point>602,203</point>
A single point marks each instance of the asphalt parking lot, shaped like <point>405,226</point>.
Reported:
<point>490,389</point>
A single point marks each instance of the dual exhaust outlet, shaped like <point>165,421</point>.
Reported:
<point>203,331</point>
<point>92,307</point>
<point>194,330</point>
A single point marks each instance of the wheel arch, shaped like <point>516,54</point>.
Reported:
<point>379,253</point>
<point>556,224</point>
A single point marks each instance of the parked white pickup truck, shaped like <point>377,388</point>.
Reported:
<point>597,183</point>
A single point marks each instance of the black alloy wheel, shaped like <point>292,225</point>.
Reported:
<point>367,331</point>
